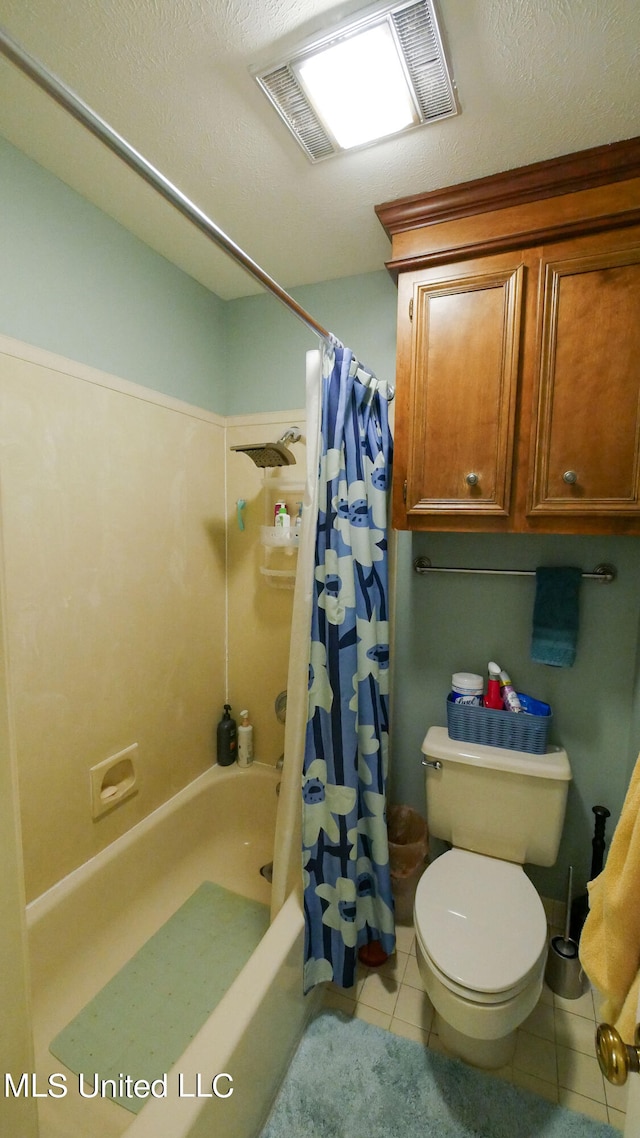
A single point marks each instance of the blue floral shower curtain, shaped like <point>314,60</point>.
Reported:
<point>347,884</point>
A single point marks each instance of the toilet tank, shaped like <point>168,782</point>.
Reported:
<point>493,801</point>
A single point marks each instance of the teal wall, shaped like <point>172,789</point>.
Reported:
<point>458,622</point>
<point>266,344</point>
<point>76,283</point>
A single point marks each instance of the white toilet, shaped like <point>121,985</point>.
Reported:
<point>481,932</point>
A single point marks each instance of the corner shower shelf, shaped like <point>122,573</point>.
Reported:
<point>279,578</point>
<point>280,537</point>
<point>279,541</point>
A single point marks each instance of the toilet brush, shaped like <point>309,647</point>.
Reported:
<point>566,946</point>
<point>564,973</point>
<point>580,905</point>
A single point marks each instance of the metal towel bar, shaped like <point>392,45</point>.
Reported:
<point>604,573</point>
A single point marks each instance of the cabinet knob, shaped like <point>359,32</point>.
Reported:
<point>570,477</point>
<point>471,479</point>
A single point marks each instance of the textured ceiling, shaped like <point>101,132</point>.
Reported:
<point>535,79</point>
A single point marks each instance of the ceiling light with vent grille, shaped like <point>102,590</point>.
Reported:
<point>382,73</point>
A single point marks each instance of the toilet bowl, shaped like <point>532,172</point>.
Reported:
<point>481,943</point>
<point>481,932</point>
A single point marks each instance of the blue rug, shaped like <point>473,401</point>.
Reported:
<point>351,1080</point>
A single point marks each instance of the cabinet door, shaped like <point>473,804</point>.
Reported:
<point>463,380</point>
<point>588,429</point>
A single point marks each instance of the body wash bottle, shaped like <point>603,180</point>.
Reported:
<point>227,739</point>
<point>245,741</point>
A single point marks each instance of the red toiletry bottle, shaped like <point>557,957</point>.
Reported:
<point>493,698</point>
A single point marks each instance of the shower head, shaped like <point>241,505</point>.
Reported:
<point>267,454</point>
<point>272,454</point>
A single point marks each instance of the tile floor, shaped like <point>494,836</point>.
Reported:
<point>555,1054</point>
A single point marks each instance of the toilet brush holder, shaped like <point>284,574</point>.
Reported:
<point>564,973</point>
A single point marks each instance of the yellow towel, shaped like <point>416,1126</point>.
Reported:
<point>610,941</point>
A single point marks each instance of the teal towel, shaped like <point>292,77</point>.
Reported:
<point>556,616</point>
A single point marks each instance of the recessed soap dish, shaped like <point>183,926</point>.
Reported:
<point>113,780</point>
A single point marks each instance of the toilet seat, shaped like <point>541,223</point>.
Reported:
<point>473,995</point>
<point>480,924</point>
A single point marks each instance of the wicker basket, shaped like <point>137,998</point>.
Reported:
<point>515,731</point>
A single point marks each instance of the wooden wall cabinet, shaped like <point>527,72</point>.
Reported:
<point>586,459</point>
<point>518,370</point>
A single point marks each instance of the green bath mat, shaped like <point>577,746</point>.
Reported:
<point>142,1020</point>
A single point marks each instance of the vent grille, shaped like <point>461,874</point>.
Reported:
<point>418,37</point>
<point>290,100</point>
<point>425,62</point>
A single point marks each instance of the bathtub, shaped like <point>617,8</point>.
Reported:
<point>219,828</point>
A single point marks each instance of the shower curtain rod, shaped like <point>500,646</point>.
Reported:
<point>101,129</point>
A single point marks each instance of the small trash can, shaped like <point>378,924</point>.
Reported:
<point>408,851</point>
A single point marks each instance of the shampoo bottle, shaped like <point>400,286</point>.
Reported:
<point>227,739</point>
<point>245,741</point>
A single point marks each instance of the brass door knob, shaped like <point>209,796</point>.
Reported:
<point>616,1058</point>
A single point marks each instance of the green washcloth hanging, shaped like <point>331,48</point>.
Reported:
<point>556,616</point>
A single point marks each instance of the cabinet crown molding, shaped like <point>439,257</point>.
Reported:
<point>583,170</point>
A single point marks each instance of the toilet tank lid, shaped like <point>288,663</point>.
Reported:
<point>554,764</point>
